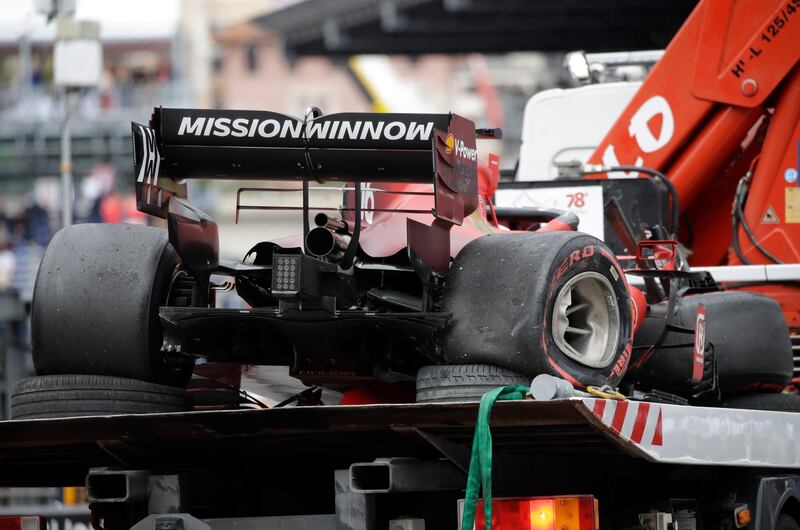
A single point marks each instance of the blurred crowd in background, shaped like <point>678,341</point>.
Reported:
<point>28,221</point>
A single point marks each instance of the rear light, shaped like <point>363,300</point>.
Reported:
<point>742,514</point>
<point>286,270</point>
<point>538,513</point>
<point>22,522</point>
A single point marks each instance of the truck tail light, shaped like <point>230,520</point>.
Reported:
<point>22,522</point>
<point>539,513</point>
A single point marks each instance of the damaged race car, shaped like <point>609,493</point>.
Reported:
<point>409,280</point>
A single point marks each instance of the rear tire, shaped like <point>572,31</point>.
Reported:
<point>748,336</point>
<point>779,402</point>
<point>96,300</point>
<point>552,302</point>
<point>465,382</point>
<point>65,396</point>
<point>786,522</point>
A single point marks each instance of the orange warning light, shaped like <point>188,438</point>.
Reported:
<point>539,513</point>
<point>742,516</point>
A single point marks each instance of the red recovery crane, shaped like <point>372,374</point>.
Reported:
<point>720,115</point>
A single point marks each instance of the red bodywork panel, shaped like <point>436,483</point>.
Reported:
<point>383,233</point>
<point>725,97</point>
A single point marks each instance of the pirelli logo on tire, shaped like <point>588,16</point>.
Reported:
<point>576,256</point>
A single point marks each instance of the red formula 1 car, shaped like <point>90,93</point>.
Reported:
<point>408,280</point>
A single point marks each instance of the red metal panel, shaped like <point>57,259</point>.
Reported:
<point>663,115</point>
<point>748,47</point>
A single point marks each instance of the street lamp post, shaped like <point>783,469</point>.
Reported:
<point>78,60</point>
<point>67,179</point>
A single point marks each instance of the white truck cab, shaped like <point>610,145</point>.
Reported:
<point>563,125</point>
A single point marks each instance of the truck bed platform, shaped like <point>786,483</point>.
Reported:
<point>34,452</point>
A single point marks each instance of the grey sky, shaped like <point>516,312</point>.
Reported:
<point>118,18</point>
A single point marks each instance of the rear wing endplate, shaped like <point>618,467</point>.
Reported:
<point>153,187</point>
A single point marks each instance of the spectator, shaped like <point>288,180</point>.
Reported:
<point>7,260</point>
<point>94,189</point>
<point>37,224</point>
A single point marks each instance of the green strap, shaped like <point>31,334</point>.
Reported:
<point>480,465</point>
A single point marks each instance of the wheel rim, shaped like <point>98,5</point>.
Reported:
<point>586,321</point>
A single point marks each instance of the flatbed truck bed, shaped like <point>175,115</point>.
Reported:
<point>301,467</point>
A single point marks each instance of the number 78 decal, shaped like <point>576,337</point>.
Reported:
<point>576,200</point>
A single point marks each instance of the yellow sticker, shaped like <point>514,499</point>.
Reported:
<point>793,205</point>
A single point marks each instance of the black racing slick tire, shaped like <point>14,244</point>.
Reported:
<point>466,382</point>
<point>765,401</point>
<point>65,396</point>
<point>746,334</point>
<point>96,300</point>
<point>786,522</point>
<point>553,302</point>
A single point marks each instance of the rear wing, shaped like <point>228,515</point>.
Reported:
<point>181,144</point>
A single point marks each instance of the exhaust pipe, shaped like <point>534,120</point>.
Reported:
<point>325,220</point>
<point>324,243</point>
